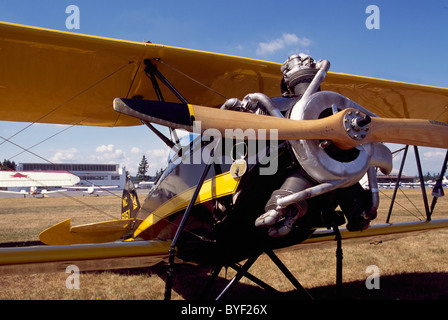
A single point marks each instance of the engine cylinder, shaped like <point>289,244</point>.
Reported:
<point>294,183</point>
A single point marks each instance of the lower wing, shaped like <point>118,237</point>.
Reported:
<point>374,234</point>
<point>103,256</point>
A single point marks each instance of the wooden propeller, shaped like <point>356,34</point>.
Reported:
<point>346,129</point>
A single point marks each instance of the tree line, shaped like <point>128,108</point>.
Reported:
<point>143,170</point>
<point>8,165</point>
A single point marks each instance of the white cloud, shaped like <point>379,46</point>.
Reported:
<point>270,47</point>
<point>109,153</point>
<point>430,155</point>
<point>305,42</point>
<point>65,155</point>
<point>136,150</point>
<point>290,38</point>
<point>157,153</point>
<point>286,40</point>
<point>431,159</point>
<point>157,159</point>
<point>130,159</point>
<point>104,148</point>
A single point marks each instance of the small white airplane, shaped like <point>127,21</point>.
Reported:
<point>410,185</point>
<point>146,184</point>
<point>444,182</point>
<point>93,190</point>
<point>36,181</point>
<point>438,187</point>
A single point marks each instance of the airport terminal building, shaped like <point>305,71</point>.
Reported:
<point>89,174</point>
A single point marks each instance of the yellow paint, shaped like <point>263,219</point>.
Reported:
<point>99,232</point>
<point>126,214</point>
<point>72,79</point>
<point>125,202</point>
<point>42,254</point>
<point>392,230</point>
<point>218,186</point>
<point>191,110</point>
<point>134,201</point>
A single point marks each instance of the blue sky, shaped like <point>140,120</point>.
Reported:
<point>411,46</point>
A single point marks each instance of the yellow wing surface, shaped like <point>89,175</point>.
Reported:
<point>113,255</point>
<point>102,256</point>
<point>59,77</point>
<point>374,234</point>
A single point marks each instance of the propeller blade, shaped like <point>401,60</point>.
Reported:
<point>346,129</point>
<point>222,122</point>
<point>427,133</point>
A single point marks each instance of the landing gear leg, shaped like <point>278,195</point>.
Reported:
<point>339,257</point>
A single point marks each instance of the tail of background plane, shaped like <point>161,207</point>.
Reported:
<point>130,205</point>
<point>99,232</point>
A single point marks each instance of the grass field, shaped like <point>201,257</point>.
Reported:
<point>411,268</point>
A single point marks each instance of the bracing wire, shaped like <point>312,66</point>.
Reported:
<point>395,153</point>
<point>191,78</point>
<point>28,150</point>
<point>68,100</point>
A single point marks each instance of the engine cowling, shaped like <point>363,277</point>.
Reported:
<point>322,160</point>
<point>329,166</point>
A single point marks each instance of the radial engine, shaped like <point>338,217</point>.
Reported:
<point>323,167</point>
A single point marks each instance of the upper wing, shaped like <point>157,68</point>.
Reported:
<point>391,99</point>
<point>59,77</point>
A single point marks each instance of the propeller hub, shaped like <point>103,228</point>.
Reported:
<point>356,124</point>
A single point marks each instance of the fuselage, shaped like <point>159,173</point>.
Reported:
<point>221,224</point>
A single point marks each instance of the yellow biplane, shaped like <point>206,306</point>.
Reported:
<point>274,158</point>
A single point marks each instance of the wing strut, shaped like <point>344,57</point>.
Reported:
<point>437,191</point>
<point>152,69</point>
<point>243,271</point>
<point>339,257</point>
<point>172,251</point>
<point>422,183</point>
<point>152,73</point>
<point>400,172</point>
